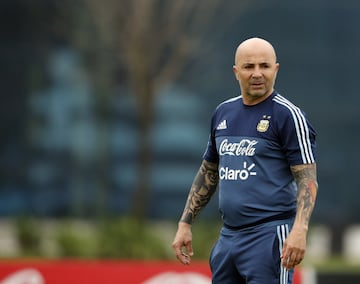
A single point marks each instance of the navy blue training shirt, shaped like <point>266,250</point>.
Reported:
<point>254,147</point>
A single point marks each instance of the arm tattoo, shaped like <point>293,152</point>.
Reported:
<point>305,178</point>
<point>203,187</point>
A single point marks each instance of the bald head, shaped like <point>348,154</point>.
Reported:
<point>256,69</point>
<point>252,45</point>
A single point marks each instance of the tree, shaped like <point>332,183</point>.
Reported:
<point>153,40</point>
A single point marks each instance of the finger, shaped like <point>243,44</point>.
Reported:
<point>179,253</point>
<point>189,249</point>
<point>285,262</point>
<point>177,249</point>
<point>185,258</point>
<point>293,260</point>
<point>299,258</point>
<point>290,263</point>
<point>182,257</point>
<point>284,256</point>
<point>296,256</point>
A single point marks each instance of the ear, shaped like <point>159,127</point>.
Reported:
<point>277,67</point>
<point>235,70</point>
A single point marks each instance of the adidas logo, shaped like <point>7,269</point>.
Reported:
<point>222,125</point>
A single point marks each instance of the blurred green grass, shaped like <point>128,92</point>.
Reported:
<point>127,238</point>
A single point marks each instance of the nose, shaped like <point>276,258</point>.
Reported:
<point>257,72</point>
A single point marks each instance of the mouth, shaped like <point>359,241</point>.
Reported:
<point>257,85</point>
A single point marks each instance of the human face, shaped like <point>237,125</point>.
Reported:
<point>256,69</point>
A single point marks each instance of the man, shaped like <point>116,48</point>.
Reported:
<point>261,154</point>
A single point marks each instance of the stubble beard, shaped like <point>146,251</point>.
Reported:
<point>255,96</point>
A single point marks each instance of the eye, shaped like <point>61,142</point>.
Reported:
<point>248,66</point>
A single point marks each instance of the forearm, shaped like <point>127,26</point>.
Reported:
<point>202,189</point>
<point>306,180</point>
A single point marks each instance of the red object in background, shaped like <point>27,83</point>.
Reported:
<point>100,271</point>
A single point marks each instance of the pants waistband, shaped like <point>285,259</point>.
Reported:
<point>283,216</point>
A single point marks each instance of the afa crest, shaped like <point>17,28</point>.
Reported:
<point>263,124</point>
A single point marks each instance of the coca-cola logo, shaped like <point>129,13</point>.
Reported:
<point>245,147</point>
<point>24,276</point>
<point>179,278</point>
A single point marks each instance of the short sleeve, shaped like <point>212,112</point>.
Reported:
<point>211,154</point>
<point>298,137</point>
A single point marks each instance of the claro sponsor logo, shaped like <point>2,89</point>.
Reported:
<point>245,147</point>
<point>226,173</point>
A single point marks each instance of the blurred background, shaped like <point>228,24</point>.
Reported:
<point>105,108</point>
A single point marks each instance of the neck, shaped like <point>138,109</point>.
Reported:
<point>254,100</point>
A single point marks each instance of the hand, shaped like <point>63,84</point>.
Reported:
<point>293,251</point>
<point>182,243</point>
